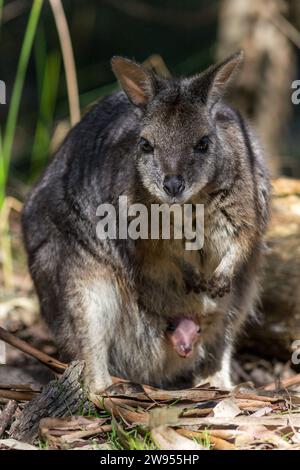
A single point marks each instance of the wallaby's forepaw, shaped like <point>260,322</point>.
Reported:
<point>219,285</point>
<point>195,282</point>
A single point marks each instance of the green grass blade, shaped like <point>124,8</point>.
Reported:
<point>2,173</point>
<point>1,10</point>
<point>2,167</point>
<point>18,85</point>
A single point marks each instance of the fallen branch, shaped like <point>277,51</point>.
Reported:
<point>285,383</point>
<point>49,361</point>
<point>44,358</point>
<point>20,395</point>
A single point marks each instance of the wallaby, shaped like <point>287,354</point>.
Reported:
<point>149,310</point>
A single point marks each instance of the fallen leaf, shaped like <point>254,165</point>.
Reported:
<point>262,412</point>
<point>16,445</point>
<point>93,446</point>
<point>226,409</point>
<point>253,435</point>
<point>167,439</point>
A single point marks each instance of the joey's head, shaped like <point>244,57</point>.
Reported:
<point>179,152</point>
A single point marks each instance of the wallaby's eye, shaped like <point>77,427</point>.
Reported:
<point>145,145</point>
<point>203,145</point>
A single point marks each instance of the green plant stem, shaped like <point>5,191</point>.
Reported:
<point>2,181</point>
<point>18,86</point>
<point>1,10</point>
<point>68,59</point>
<point>2,173</point>
<point>7,142</point>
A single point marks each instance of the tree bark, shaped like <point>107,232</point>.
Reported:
<point>62,397</point>
<point>7,416</point>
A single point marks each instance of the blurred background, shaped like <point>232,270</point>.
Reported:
<point>55,62</point>
<point>188,36</point>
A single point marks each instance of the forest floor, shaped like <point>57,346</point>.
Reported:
<point>131,416</point>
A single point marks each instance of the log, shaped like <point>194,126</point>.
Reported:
<point>61,397</point>
<point>278,323</point>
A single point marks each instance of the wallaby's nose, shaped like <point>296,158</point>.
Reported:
<point>174,185</point>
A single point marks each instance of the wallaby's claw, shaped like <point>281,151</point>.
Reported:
<point>219,285</point>
<point>196,283</point>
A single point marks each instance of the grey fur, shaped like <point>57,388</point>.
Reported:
<point>109,302</point>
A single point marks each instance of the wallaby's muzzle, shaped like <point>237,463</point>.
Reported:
<point>174,185</point>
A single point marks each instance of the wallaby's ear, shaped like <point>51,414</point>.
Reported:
<point>213,82</point>
<point>139,84</point>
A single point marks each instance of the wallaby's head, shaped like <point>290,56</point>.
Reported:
<point>179,151</point>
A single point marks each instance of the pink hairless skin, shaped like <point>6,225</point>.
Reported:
<point>182,334</point>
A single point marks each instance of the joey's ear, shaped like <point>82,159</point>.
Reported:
<point>211,85</point>
<point>139,84</point>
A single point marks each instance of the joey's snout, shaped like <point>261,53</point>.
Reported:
<point>182,335</point>
<point>173,185</point>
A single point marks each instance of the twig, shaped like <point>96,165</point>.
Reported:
<point>287,29</point>
<point>20,395</point>
<point>217,442</point>
<point>51,362</point>
<point>7,416</point>
<point>22,387</point>
<point>284,383</point>
<point>68,58</point>
<point>73,436</point>
<point>44,358</point>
